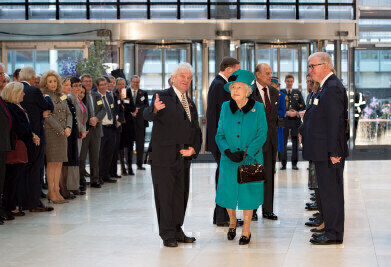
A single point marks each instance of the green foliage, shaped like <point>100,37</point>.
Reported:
<point>93,65</point>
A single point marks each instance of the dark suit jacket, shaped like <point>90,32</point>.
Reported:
<point>325,123</point>
<point>129,127</point>
<point>99,112</point>
<point>216,97</point>
<point>172,130</point>
<point>34,103</point>
<point>118,106</point>
<point>141,103</point>
<point>271,143</point>
<point>5,142</point>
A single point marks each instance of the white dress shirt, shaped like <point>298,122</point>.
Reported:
<point>260,89</point>
<point>325,79</point>
<point>225,78</point>
<point>106,120</point>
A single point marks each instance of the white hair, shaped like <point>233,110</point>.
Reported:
<point>248,88</point>
<point>6,77</point>
<point>2,66</point>
<point>26,73</point>
<point>323,58</point>
<point>182,66</point>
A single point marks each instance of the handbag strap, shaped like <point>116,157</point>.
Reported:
<point>245,155</point>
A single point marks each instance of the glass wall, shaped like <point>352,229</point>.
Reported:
<point>373,98</point>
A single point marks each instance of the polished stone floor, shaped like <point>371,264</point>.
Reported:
<point>116,226</point>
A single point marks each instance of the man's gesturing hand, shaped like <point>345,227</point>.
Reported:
<point>159,105</point>
<point>187,152</point>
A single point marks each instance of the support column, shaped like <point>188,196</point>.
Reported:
<point>337,57</point>
<point>222,49</point>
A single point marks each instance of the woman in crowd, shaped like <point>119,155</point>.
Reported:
<point>80,118</point>
<point>22,142</point>
<point>242,130</point>
<point>58,127</point>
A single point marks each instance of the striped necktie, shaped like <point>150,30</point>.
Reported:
<point>186,106</point>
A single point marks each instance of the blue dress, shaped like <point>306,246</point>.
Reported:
<point>281,114</point>
<point>240,129</point>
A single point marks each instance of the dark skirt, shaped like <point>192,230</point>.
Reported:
<point>73,151</point>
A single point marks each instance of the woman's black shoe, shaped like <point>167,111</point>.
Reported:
<point>231,233</point>
<point>244,240</point>
<point>19,213</point>
<point>314,230</point>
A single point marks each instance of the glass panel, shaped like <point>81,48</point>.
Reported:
<point>103,12</point>
<point>194,12</point>
<point>247,54</point>
<point>172,57</point>
<point>150,68</point>
<point>211,62</point>
<point>289,64</point>
<point>223,12</point>
<point>73,12</point>
<point>112,57</point>
<point>46,12</point>
<point>198,81</point>
<point>340,12</point>
<point>269,56</point>
<point>304,70</point>
<point>375,3</point>
<point>133,12</point>
<point>42,62</point>
<point>129,60</point>
<point>12,13</point>
<point>312,12</point>
<point>163,12</point>
<point>283,12</point>
<point>253,12</point>
<point>345,64</point>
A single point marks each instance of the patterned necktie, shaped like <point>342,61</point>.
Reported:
<point>108,110</point>
<point>186,106</point>
<point>268,107</point>
<point>134,96</point>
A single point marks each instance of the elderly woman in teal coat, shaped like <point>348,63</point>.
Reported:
<point>242,130</point>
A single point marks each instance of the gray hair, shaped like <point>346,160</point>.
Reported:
<point>248,88</point>
<point>6,77</point>
<point>2,66</point>
<point>85,75</point>
<point>323,58</point>
<point>134,77</point>
<point>181,66</point>
<point>120,79</point>
<point>26,73</point>
<point>12,91</point>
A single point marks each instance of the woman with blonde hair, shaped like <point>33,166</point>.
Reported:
<point>58,127</point>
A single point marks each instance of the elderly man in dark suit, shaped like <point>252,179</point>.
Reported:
<point>91,144</point>
<point>176,139</point>
<point>140,101</point>
<point>325,143</point>
<point>268,95</point>
<point>216,97</point>
<point>37,108</point>
<point>5,143</point>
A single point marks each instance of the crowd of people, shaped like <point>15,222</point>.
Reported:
<point>50,124</point>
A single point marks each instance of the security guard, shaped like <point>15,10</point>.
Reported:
<point>294,104</point>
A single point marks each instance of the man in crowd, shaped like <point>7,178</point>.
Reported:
<point>216,97</point>
<point>15,76</point>
<point>294,104</point>
<point>37,108</point>
<point>140,101</point>
<point>325,143</point>
<point>91,144</point>
<point>37,80</point>
<point>176,139</point>
<point>268,95</point>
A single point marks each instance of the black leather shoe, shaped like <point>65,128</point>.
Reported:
<point>231,233</point>
<point>314,230</point>
<point>130,172</point>
<point>270,216</point>
<point>313,223</point>
<point>294,167</point>
<point>313,198</point>
<point>124,172</point>
<point>19,213</point>
<point>314,207</point>
<point>96,185</point>
<point>309,204</point>
<point>111,181</point>
<point>117,176</point>
<point>170,243</point>
<point>314,218</point>
<point>317,235</point>
<point>283,168</point>
<point>83,187</point>
<point>42,208</point>
<point>239,222</point>
<point>316,214</point>
<point>186,239</point>
<point>222,224</point>
<point>244,240</point>
<point>1,222</point>
<point>141,168</point>
<point>324,240</point>
<point>255,217</point>
<point>7,217</point>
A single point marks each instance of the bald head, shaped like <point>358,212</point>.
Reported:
<point>263,74</point>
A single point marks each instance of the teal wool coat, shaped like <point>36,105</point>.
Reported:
<point>240,129</point>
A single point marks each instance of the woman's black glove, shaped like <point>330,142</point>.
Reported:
<point>236,156</point>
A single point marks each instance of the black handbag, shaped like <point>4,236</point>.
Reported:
<point>251,172</point>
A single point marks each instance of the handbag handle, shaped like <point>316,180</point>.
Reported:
<point>244,157</point>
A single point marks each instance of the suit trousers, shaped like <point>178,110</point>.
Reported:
<point>90,145</point>
<point>107,148</point>
<point>33,184</point>
<point>330,182</point>
<point>3,158</point>
<point>15,190</point>
<point>171,189</point>
<point>73,176</point>
<point>269,163</point>
<point>114,161</point>
<point>295,154</point>
<point>220,214</point>
<point>140,143</point>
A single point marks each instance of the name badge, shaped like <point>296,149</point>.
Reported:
<point>276,103</point>
<point>310,101</point>
<point>99,102</point>
<point>142,98</point>
<point>126,101</point>
<point>112,105</point>
<point>316,101</point>
<point>119,102</point>
<point>63,97</point>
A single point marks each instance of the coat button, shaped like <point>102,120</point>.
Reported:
<point>237,136</point>
<point>238,149</point>
<point>238,122</point>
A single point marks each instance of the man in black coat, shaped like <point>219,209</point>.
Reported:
<point>140,101</point>
<point>5,143</point>
<point>325,143</point>
<point>216,97</point>
<point>176,139</point>
<point>37,108</point>
<point>268,95</point>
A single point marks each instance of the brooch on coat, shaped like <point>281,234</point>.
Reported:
<point>253,110</point>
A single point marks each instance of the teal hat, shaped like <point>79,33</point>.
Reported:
<point>275,80</point>
<point>240,76</point>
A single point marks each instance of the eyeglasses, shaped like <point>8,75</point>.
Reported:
<point>311,66</point>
